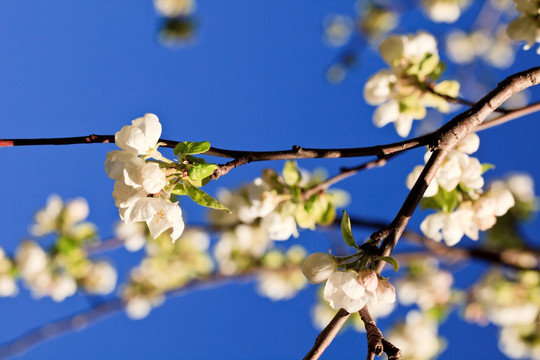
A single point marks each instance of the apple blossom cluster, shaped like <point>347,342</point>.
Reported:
<point>527,26</point>
<point>403,92</point>
<point>277,204</point>
<point>143,189</point>
<point>444,11</point>
<point>61,270</point>
<point>347,289</point>
<point>456,193</point>
<point>512,302</point>
<point>166,267</point>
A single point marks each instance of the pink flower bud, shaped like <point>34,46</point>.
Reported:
<point>386,293</point>
<point>368,279</point>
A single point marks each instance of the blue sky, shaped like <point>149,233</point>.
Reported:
<point>252,78</point>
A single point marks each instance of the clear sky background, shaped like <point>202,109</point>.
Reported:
<point>252,78</point>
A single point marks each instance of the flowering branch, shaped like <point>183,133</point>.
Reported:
<point>447,137</point>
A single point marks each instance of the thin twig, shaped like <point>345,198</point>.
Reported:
<point>344,173</point>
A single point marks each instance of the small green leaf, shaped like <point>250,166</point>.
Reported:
<point>190,147</point>
<point>443,200</point>
<point>346,230</point>
<point>390,260</point>
<point>428,65</point>
<point>179,190</point>
<point>487,166</point>
<point>202,198</point>
<point>180,148</point>
<point>291,175</point>
<point>327,217</point>
<point>201,171</point>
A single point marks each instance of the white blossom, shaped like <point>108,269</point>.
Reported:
<point>342,290</point>
<point>450,226</point>
<point>378,87</point>
<point>159,215</point>
<point>141,137</point>
<point>318,267</point>
<point>389,113</point>
<point>386,293</point>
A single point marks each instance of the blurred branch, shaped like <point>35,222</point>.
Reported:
<point>83,319</point>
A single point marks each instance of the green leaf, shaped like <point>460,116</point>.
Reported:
<point>346,230</point>
<point>291,175</point>
<point>428,65</point>
<point>189,147</point>
<point>201,171</point>
<point>327,217</point>
<point>202,198</point>
<point>179,190</point>
<point>487,166</point>
<point>390,260</point>
<point>443,200</point>
<point>180,148</point>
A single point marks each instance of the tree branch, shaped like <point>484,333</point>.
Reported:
<point>327,335</point>
<point>447,138</point>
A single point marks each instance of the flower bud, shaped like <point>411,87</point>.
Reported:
<point>368,279</point>
<point>386,293</point>
<point>318,267</point>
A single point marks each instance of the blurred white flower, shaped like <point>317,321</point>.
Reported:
<point>31,259</point>
<point>527,26</point>
<point>133,235</point>
<point>417,337</point>
<point>101,278</point>
<point>337,29</point>
<point>280,285</point>
<point>447,11</point>
<point>8,286</point>
<point>138,307</point>
<point>522,186</point>
<point>174,8</point>
<point>279,227</point>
